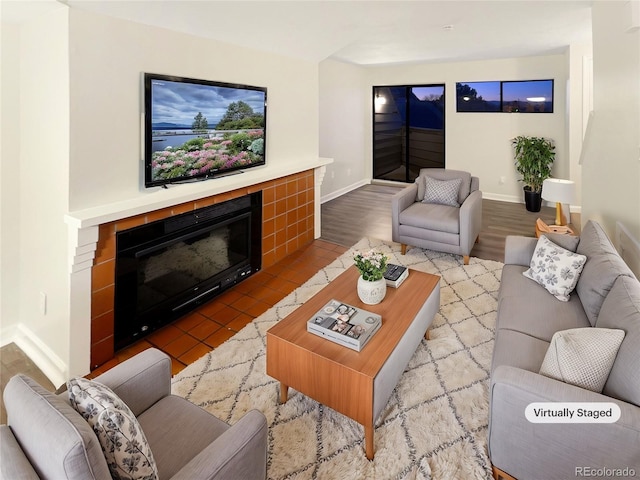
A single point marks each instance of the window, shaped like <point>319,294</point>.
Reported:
<point>523,96</point>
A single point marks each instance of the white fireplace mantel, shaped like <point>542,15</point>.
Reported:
<point>157,197</point>
<point>83,228</point>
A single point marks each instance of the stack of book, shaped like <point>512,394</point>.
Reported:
<point>395,275</point>
<point>344,324</point>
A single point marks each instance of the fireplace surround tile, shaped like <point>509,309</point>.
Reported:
<point>288,224</point>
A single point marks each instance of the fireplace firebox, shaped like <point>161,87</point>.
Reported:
<point>166,268</point>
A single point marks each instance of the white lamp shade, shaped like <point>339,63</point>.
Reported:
<point>558,190</point>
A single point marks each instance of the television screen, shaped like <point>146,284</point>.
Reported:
<point>198,129</point>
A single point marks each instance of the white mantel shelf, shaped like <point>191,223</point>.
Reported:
<point>157,197</point>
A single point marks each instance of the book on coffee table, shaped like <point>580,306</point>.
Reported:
<point>344,324</point>
<point>395,275</point>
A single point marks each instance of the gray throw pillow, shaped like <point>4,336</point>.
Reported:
<point>442,192</point>
<point>123,442</point>
<point>582,356</point>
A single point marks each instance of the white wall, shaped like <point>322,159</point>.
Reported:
<point>107,60</point>
<point>9,177</point>
<point>345,118</point>
<point>477,142</point>
<point>579,99</point>
<point>80,108</point>
<point>43,189</point>
<point>611,166</point>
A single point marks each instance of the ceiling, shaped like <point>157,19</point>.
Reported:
<point>361,32</point>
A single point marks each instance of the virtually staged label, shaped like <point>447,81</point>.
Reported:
<point>572,412</point>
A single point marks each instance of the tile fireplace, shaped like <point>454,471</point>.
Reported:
<point>288,223</point>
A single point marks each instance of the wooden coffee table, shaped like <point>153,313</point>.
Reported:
<point>356,384</point>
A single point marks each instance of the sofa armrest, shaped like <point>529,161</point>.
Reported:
<point>399,202</point>
<point>141,380</point>
<point>14,465</point>
<point>518,250</point>
<point>240,452</point>
<point>517,446</point>
<point>470,221</point>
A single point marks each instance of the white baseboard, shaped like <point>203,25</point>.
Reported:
<point>37,351</point>
<point>502,198</point>
<point>514,199</point>
<point>342,191</point>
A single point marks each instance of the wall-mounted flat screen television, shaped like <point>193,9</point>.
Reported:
<point>199,129</point>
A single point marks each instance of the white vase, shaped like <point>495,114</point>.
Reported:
<point>371,293</point>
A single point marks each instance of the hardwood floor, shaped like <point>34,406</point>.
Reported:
<point>345,220</point>
<point>362,212</point>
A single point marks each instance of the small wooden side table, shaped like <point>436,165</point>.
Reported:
<point>542,227</point>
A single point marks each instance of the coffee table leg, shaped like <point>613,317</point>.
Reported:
<point>368,441</point>
<point>284,392</point>
<point>427,335</point>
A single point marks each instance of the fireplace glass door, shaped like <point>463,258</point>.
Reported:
<point>167,268</point>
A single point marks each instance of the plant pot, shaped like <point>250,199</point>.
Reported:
<point>371,293</point>
<point>532,200</point>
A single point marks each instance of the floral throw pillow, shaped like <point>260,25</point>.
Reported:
<point>123,442</point>
<point>555,268</point>
<point>442,192</point>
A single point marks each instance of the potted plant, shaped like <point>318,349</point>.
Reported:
<point>534,157</point>
<point>372,287</point>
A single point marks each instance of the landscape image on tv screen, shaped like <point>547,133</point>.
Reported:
<point>195,129</point>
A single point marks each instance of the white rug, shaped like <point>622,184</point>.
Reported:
<point>435,424</point>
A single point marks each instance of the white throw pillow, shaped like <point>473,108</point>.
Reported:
<point>582,356</point>
<point>123,442</point>
<point>442,192</point>
<point>555,268</point>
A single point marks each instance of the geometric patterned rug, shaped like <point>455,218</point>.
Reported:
<point>435,423</point>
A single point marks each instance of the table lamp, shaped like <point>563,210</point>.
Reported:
<point>559,191</point>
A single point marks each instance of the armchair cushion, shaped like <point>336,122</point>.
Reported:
<point>205,446</point>
<point>123,442</point>
<point>189,427</point>
<point>430,216</point>
<point>442,192</point>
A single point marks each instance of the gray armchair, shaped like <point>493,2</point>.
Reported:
<point>445,226</point>
<point>46,438</point>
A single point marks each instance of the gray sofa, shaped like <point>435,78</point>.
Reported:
<point>607,295</point>
<point>46,438</point>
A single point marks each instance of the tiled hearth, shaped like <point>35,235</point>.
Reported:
<point>287,225</point>
<point>197,333</point>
